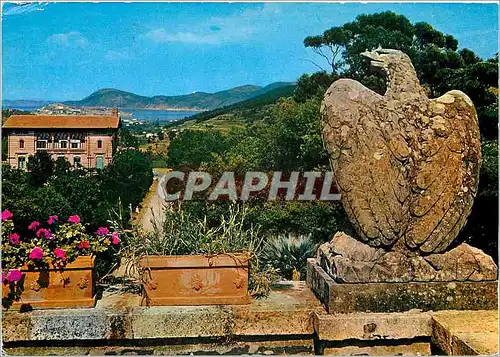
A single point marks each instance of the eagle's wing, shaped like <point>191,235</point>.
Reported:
<point>446,180</point>
<point>366,152</point>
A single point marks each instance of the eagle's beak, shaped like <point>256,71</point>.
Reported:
<point>377,60</point>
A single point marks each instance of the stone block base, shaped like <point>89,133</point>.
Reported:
<point>394,297</point>
<point>400,348</point>
<point>467,333</point>
<point>299,345</point>
<point>290,322</point>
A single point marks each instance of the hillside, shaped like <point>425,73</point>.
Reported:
<point>232,115</point>
<point>110,97</point>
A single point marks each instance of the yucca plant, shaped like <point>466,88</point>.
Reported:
<point>289,254</point>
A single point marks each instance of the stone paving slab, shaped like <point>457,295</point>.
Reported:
<point>373,326</point>
<point>466,332</point>
<point>408,349</point>
<point>287,311</point>
<point>290,321</point>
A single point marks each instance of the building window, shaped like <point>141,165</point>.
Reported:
<point>21,162</point>
<point>63,144</point>
<point>99,144</point>
<point>99,162</point>
<point>76,162</point>
<point>41,144</point>
<point>21,144</point>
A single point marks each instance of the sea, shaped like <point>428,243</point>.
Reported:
<point>154,115</point>
<point>140,114</point>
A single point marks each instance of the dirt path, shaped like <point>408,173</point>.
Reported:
<point>153,214</point>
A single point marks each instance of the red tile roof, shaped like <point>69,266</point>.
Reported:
<point>61,122</point>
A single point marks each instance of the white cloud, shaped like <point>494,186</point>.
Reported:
<point>70,39</point>
<point>113,55</point>
<point>218,30</point>
<point>161,36</point>
<point>23,7</point>
<point>157,35</point>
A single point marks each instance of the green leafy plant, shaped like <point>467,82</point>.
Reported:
<point>289,253</point>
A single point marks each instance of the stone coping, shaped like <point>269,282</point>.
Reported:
<point>291,316</point>
<point>466,332</point>
<point>287,311</point>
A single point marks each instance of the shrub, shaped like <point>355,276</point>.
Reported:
<point>183,234</point>
<point>289,253</point>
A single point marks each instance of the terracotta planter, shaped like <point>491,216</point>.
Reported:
<point>71,288</point>
<point>196,279</point>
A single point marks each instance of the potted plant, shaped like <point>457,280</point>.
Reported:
<point>187,262</point>
<point>52,265</point>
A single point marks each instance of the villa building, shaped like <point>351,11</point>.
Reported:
<point>81,140</point>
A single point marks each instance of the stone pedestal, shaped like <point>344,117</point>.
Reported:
<point>405,296</point>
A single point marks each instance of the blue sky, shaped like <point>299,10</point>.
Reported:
<point>62,51</point>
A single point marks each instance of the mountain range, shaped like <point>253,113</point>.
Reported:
<point>110,97</point>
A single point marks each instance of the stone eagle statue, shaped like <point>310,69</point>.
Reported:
<point>407,166</point>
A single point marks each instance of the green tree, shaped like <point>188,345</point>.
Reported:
<point>193,147</point>
<point>439,66</point>
<point>128,177</point>
<point>40,167</point>
<point>312,85</point>
<point>469,57</point>
<point>61,166</point>
<point>481,229</point>
<point>329,45</point>
<point>127,139</point>
<point>294,137</point>
<point>479,82</point>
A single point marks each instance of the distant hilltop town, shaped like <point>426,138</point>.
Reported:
<point>63,109</point>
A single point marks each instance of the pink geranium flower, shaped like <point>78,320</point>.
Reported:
<point>33,225</point>
<point>36,253</point>
<point>14,238</point>
<point>84,244</point>
<point>14,275</point>
<point>59,253</point>
<point>7,215</point>
<point>115,239</point>
<point>74,219</point>
<point>52,219</point>
<point>102,231</point>
<point>43,233</point>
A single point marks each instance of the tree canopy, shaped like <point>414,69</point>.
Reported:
<point>439,64</point>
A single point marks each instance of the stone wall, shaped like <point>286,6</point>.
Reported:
<point>290,322</point>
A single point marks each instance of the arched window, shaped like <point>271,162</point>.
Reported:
<point>21,144</point>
